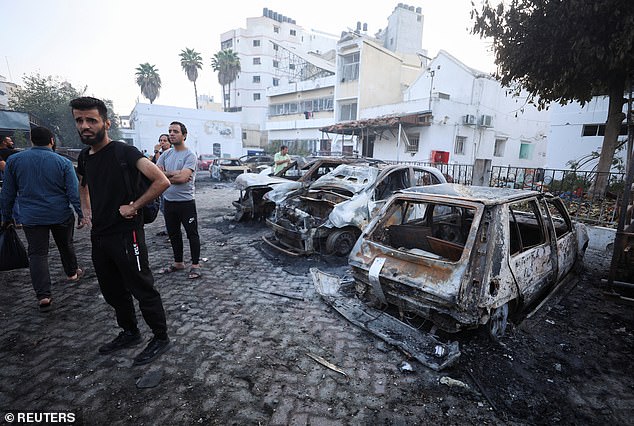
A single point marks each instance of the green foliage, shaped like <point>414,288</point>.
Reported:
<point>47,98</point>
<point>563,51</point>
<point>148,79</point>
<point>227,64</point>
<point>191,62</point>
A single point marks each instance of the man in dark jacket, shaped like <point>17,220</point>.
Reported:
<point>45,185</point>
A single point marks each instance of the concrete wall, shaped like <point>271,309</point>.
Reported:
<point>566,140</point>
<point>468,92</point>
<point>204,128</point>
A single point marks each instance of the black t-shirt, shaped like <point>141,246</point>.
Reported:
<point>6,152</point>
<point>103,174</point>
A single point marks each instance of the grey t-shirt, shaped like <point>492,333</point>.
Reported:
<point>173,161</point>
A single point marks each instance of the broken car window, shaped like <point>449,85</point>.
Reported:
<point>433,230</point>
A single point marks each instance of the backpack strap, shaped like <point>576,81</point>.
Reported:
<point>119,155</point>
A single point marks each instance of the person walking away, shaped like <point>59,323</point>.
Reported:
<point>282,159</point>
<point>179,165</point>
<point>45,185</point>
<point>119,252</point>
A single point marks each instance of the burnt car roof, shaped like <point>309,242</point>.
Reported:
<point>356,177</point>
<point>481,194</point>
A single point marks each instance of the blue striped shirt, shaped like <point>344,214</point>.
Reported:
<point>44,184</point>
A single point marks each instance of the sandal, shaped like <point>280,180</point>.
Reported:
<point>79,274</point>
<point>46,304</point>
<point>169,270</point>
<point>194,273</point>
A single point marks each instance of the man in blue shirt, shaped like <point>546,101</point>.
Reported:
<point>45,185</point>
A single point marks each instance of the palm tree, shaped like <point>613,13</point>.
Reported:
<point>149,81</point>
<point>227,63</point>
<point>191,62</point>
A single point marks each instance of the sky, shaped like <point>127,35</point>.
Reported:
<point>98,44</point>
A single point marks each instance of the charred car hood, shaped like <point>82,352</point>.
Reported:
<point>255,179</point>
<point>351,178</point>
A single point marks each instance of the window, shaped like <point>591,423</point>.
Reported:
<point>500,144</point>
<point>244,136</point>
<point>276,64</point>
<point>350,67</point>
<point>411,144</point>
<point>256,96</point>
<point>293,32</point>
<point>599,130</point>
<point>291,66</point>
<point>276,81</point>
<point>526,151</point>
<point>276,29</point>
<point>348,111</point>
<point>561,220</point>
<point>256,61</point>
<point>256,43</point>
<point>525,226</point>
<point>256,78</point>
<point>459,147</point>
<point>227,44</point>
<point>275,47</point>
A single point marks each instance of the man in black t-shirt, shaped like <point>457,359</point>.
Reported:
<point>119,253</point>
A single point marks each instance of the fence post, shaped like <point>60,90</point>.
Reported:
<point>482,172</point>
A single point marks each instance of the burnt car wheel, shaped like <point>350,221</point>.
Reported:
<point>341,241</point>
<point>498,322</point>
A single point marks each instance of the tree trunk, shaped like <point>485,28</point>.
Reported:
<point>196,94</point>
<point>612,130</point>
<point>224,97</point>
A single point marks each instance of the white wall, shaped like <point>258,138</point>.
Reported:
<point>469,92</point>
<point>204,128</point>
<point>566,140</point>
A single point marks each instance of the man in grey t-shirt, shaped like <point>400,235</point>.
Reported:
<point>179,165</point>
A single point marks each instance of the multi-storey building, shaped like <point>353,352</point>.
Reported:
<point>273,51</point>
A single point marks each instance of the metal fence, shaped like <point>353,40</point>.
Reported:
<point>575,188</point>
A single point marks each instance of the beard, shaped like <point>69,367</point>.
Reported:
<point>94,139</point>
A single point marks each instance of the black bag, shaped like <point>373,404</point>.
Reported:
<point>151,209</point>
<point>12,252</point>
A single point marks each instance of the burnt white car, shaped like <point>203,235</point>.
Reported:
<point>328,216</point>
<point>467,256</point>
<point>300,173</point>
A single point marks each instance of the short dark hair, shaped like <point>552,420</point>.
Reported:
<point>41,136</point>
<point>85,103</point>
<point>282,147</point>
<point>178,123</point>
<point>164,134</point>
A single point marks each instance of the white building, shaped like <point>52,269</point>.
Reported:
<point>576,132</point>
<point>208,132</point>
<point>272,50</point>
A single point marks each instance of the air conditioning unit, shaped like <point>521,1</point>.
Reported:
<point>469,119</point>
<point>486,121</point>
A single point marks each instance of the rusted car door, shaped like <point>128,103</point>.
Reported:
<point>531,258</point>
<point>566,240</point>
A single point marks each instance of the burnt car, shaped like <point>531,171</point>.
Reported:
<point>328,216</point>
<point>302,171</point>
<point>257,162</point>
<point>227,169</point>
<point>467,256</point>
